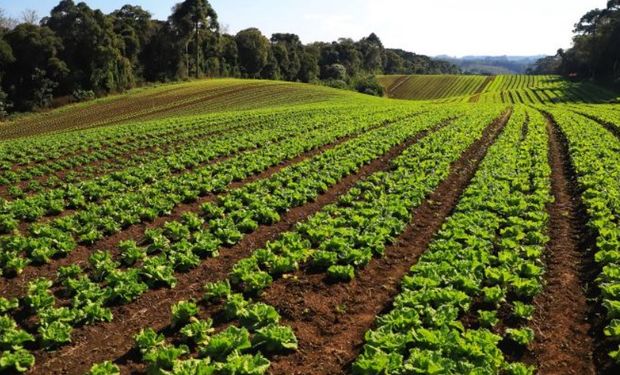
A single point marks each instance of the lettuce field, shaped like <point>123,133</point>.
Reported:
<point>256,227</point>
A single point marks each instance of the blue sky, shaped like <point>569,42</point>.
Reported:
<point>453,27</point>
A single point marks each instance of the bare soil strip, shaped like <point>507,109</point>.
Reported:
<point>563,344</point>
<point>112,340</point>
<point>330,319</point>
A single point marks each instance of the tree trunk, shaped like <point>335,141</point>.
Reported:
<point>197,66</point>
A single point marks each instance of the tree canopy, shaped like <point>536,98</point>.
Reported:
<point>79,52</point>
<point>595,53</point>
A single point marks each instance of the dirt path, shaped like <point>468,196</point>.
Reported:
<point>563,344</point>
<point>112,340</point>
<point>330,320</point>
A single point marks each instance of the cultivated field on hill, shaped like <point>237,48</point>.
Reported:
<point>508,89</point>
<point>253,227</point>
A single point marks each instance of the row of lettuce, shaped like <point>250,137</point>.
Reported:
<point>466,303</point>
<point>111,203</point>
<point>471,291</point>
<point>122,275</point>
<point>465,306</point>
<point>338,240</point>
<point>595,154</point>
<point>103,157</point>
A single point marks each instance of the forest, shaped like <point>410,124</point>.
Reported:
<point>78,53</point>
<point>595,53</point>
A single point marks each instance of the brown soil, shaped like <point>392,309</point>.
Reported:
<point>112,340</point>
<point>563,344</point>
<point>330,319</point>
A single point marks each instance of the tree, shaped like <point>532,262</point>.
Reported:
<point>134,25</point>
<point>6,58</point>
<point>192,17</point>
<point>546,65</point>
<point>253,49</point>
<point>30,16</point>
<point>7,22</point>
<point>36,70</point>
<point>309,64</point>
<point>373,53</point>
<point>595,53</point>
<point>161,55</point>
<point>394,64</point>
<point>229,56</point>
<point>92,50</point>
<point>287,50</point>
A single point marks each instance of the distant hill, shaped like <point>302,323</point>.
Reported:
<point>492,65</point>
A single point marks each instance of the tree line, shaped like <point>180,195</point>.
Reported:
<point>595,53</point>
<point>77,52</point>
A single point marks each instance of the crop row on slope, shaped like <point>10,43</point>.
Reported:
<point>20,182</point>
<point>507,89</point>
<point>301,247</point>
<point>329,318</point>
<point>188,285</point>
<point>470,294</point>
<point>432,87</point>
<point>608,116</point>
<point>134,197</point>
<point>196,97</point>
<point>595,154</point>
<point>88,165</point>
<point>45,148</point>
<point>180,244</point>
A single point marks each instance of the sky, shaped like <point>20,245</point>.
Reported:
<point>431,27</point>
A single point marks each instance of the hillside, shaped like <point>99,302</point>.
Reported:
<point>226,224</point>
<point>509,89</point>
<point>492,65</point>
<point>173,100</point>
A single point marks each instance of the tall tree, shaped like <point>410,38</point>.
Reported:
<point>162,56</point>
<point>92,50</point>
<point>7,22</point>
<point>190,18</point>
<point>287,50</point>
<point>36,71</point>
<point>253,49</point>
<point>6,58</point>
<point>373,53</point>
<point>30,16</point>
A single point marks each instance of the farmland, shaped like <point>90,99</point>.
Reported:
<point>248,227</point>
<point>508,89</point>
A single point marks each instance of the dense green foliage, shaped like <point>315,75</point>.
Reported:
<point>78,52</point>
<point>595,53</point>
<point>183,190</point>
<point>485,258</point>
